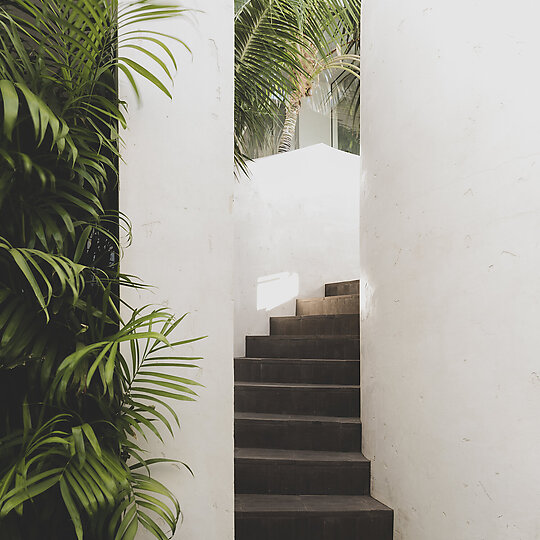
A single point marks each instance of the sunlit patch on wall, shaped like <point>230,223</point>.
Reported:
<point>366,298</point>
<point>276,289</point>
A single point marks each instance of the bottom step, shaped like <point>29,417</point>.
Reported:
<point>317,517</point>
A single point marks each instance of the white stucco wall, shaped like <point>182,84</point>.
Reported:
<point>313,126</point>
<point>295,228</point>
<point>450,258</point>
<point>177,186</point>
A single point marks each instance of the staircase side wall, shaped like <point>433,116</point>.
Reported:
<point>176,186</point>
<point>450,258</point>
<point>295,228</point>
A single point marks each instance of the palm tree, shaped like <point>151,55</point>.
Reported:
<point>77,380</point>
<point>282,47</point>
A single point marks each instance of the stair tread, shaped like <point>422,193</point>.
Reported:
<point>347,282</point>
<point>308,336</point>
<point>296,418</point>
<point>289,504</point>
<point>274,454</point>
<point>295,385</point>
<point>330,316</point>
<point>337,296</point>
<point>281,359</point>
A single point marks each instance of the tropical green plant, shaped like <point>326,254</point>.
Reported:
<point>281,49</point>
<point>84,378</point>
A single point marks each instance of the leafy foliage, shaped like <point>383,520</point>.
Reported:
<point>79,384</point>
<point>281,48</point>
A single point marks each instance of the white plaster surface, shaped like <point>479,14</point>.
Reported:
<point>296,228</point>
<point>450,259</point>
<point>313,126</point>
<point>177,187</point>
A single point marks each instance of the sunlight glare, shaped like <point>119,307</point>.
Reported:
<point>276,289</point>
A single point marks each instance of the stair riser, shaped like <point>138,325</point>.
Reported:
<point>345,287</point>
<point>275,347</point>
<point>298,435</point>
<point>314,527</point>
<point>306,478</point>
<point>315,401</point>
<point>331,305</point>
<point>297,370</point>
<point>337,325</point>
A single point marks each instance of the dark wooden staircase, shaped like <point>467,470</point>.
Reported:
<point>299,470</point>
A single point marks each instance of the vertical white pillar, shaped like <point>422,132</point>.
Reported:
<point>176,186</point>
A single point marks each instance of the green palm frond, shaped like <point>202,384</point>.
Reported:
<point>148,504</point>
<point>44,275</point>
<point>77,382</point>
<point>282,46</point>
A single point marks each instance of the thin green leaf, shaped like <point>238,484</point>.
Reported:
<point>11,106</point>
<point>72,509</point>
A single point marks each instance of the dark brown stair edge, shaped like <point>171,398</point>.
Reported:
<point>301,325</point>
<point>342,287</point>
<point>299,456</point>
<point>299,386</point>
<point>282,365</point>
<point>301,472</point>
<point>301,371</point>
<point>346,304</point>
<point>347,347</point>
<point>297,432</point>
<point>331,299</point>
<point>299,526</point>
<point>269,417</point>
<point>252,505</point>
<point>304,337</point>
<point>335,361</point>
<point>297,398</point>
<point>332,316</point>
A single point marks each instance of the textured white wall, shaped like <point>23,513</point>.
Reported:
<point>296,228</point>
<point>313,127</point>
<point>177,187</point>
<point>450,257</point>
